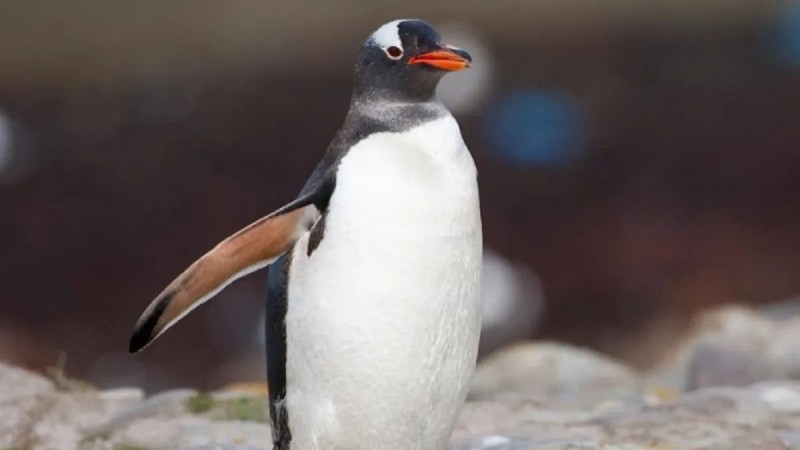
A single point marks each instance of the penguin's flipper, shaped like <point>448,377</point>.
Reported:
<point>250,249</point>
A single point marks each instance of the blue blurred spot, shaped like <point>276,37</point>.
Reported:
<point>786,34</point>
<point>537,127</point>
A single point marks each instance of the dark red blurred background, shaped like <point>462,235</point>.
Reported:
<point>643,159</point>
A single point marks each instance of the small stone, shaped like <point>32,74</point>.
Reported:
<point>783,397</point>
<point>658,395</point>
<point>117,400</point>
<point>123,394</point>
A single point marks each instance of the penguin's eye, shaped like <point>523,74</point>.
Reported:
<point>394,52</point>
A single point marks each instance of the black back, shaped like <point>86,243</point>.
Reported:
<point>276,350</point>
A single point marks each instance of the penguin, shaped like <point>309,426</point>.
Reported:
<point>374,281</point>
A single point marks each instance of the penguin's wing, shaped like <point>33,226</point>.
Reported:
<point>250,249</point>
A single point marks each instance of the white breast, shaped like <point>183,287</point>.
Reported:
<point>383,318</point>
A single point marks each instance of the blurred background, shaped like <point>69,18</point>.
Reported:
<point>639,161</point>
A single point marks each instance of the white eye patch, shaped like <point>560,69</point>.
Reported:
<point>388,35</point>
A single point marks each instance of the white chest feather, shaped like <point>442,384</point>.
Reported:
<point>383,318</point>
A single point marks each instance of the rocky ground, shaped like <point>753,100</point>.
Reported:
<point>729,385</point>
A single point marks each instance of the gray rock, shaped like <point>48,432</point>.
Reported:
<point>783,349</point>
<point>155,432</point>
<point>731,405</point>
<point>25,397</point>
<point>122,395</point>
<point>223,447</point>
<point>761,440</point>
<point>709,419</point>
<point>495,442</point>
<point>545,369</point>
<point>53,420</point>
<point>523,421</point>
<point>252,434</point>
<point>782,396</point>
<point>733,346</point>
<point>167,404</point>
<point>17,418</point>
<point>721,362</point>
<point>513,302</point>
<point>791,439</point>
<point>16,383</point>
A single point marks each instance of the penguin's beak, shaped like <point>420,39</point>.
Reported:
<point>445,58</point>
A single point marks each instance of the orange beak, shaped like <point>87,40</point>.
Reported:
<point>445,58</point>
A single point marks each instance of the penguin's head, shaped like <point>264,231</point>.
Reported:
<point>404,60</point>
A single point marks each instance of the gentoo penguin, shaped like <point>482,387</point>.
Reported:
<point>373,303</point>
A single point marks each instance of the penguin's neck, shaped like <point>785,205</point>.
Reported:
<point>394,115</point>
<point>380,93</point>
